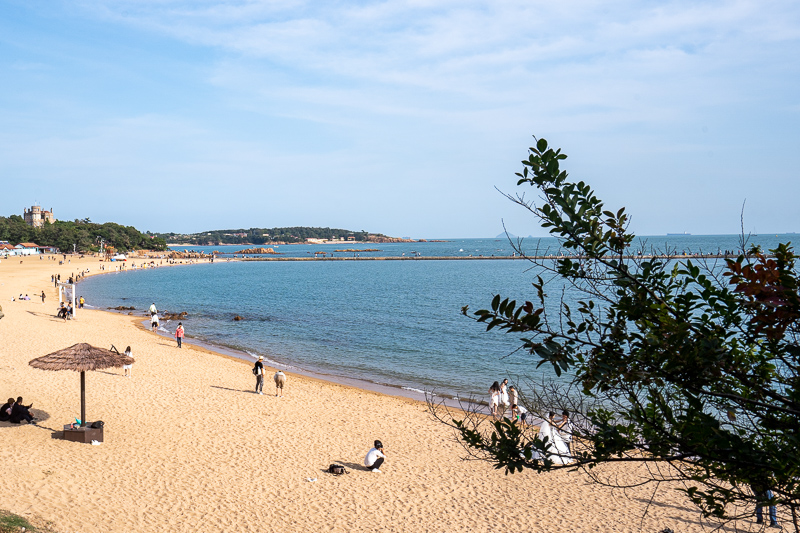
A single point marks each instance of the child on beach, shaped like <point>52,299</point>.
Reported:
<point>127,368</point>
<point>179,334</point>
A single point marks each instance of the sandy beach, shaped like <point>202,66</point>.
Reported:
<point>190,448</point>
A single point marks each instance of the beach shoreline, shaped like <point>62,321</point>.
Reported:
<point>398,391</point>
<point>189,446</point>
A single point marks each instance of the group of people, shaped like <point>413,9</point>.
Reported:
<point>179,331</point>
<point>65,311</point>
<point>15,411</point>
<point>555,432</point>
<point>502,397</point>
<point>279,378</point>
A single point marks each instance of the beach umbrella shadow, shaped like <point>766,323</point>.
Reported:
<point>81,358</point>
<point>38,414</point>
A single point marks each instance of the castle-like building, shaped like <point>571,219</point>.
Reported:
<point>36,217</point>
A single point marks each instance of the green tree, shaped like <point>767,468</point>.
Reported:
<point>692,364</point>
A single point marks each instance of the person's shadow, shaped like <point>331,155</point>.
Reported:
<point>249,391</point>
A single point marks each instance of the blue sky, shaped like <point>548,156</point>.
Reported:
<point>398,117</point>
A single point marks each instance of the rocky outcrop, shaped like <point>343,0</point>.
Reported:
<point>122,308</point>
<point>237,318</point>
<point>257,251</point>
<point>174,316</point>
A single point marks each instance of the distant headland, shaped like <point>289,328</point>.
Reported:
<point>276,236</point>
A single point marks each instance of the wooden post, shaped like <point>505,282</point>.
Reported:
<point>83,398</point>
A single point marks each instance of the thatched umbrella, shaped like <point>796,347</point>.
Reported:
<point>80,358</point>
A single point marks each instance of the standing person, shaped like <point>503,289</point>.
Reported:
<point>513,400</point>
<point>179,334</point>
<point>504,394</point>
<point>494,399</point>
<point>127,367</point>
<point>153,310</point>
<point>763,495</point>
<point>280,381</point>
<point>81,301</point>
<point>566,429</point>
<point>153,322</point>
<point>375,457</point>
<point>42,296</point>
<point>258,370</point>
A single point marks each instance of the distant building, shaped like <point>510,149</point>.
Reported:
<point>36,216</point>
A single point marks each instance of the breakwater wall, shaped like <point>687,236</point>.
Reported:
<point>477,258</point>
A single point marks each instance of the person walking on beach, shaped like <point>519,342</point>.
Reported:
<point>42,296</point>
<point>153,310</point>
<point>258,370</point>
<point>127,367</point>
<point>280,381</point>
<point>494,399</point>
<point>81,301</point>
<point>375,457</point>
<point>153,323</point>
<point>179,334</point>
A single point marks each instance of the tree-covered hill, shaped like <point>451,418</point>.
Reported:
<point>82,235</point>
<point>269,236</point>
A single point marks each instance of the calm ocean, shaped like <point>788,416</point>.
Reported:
<point>396,323</point>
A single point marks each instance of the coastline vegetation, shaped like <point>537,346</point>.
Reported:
<point>258,236</point>
<point>79,235</point>
<point>691,367</point>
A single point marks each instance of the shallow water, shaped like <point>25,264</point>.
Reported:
<point>390,322</point>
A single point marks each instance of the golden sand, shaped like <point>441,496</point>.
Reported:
<point>190,448</point>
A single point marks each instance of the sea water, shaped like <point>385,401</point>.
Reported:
<point>396,323</point>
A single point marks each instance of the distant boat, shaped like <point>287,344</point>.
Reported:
<point>684,233</point>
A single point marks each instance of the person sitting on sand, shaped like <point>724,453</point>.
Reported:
<point>375,457</point>
<point>280,381</point>
<point>62,311</point>
<point>21,412</point>
<point>5,411</point>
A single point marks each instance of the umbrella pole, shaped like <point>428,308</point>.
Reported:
<point>83,398</point>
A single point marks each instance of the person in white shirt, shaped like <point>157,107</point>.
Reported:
<point>375,457</point>
<point>280,381</point>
